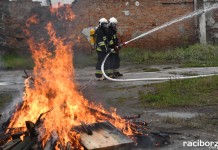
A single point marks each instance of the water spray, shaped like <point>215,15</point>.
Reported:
<point>190,15</point>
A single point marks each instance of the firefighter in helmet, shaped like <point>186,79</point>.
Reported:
<point>101,44</point>
<point>114,44</point>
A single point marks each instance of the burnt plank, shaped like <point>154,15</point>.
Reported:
<point>17,135</point>
<point>105,137</point>
<point>10,144</point>
<point>23,144</point>
<point>4,138</point>
<point>50,145</point>
<point>30,144</point>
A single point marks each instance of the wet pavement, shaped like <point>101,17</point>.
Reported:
<point>112,94</point>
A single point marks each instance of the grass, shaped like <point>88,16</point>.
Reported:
<point>84,60</point>
<point>193,56</point>
<point>151,69</point>
<point>16,61</point>
<point>188,92</point>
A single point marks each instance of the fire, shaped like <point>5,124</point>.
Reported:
<point>52,94</point>
<point>67,15</point>
<point>32,20</point>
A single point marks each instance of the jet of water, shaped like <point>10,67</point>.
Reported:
<point>190,15</point>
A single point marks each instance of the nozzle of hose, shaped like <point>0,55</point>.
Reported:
<point>123,44</point>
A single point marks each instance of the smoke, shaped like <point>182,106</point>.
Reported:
<point>10,108</point>
<point>13,93</point>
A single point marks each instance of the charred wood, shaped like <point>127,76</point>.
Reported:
<point>4,138</point>
<point>27,76</point>
<point>31,128</point>
<point>101,113</point>
<point>17,135</point>
<point>50,145</point>
<point>132,116</point>
<point>86,128</point>
<point>39,121</point>
<point>26,144</point>
<point>10,144</point>
<point>69,146</point>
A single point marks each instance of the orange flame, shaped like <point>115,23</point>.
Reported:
<point>32,20</point>
<point>53,91</point>
<point>66,15</point>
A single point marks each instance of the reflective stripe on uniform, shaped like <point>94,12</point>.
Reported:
<point>98,49</point>
<point>111,42</point>
<point>101,44</point>
<point>98,72</point>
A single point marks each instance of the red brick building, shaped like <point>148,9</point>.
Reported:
<point>137,17</point>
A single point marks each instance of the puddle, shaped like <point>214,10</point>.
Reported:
<point>6,83</point>
<point>183,115</point>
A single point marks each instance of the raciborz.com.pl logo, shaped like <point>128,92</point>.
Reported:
<point>200,143</point>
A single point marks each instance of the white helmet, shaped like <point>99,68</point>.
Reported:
<point>113,20</point>
<point>102,20</point>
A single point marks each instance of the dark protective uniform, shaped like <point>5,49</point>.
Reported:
<point>101,49</point>
<point>114,64</point>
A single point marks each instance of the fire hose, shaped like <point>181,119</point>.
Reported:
<point>195,13</point>
<point>148,79</point>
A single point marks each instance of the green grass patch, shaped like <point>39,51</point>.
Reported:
<point>15,61</point>
<point>84,60</point>
<point>151,69</point>
<point>188,92</point>
<point>193,56</point>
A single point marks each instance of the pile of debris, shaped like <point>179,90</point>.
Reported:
<point>100,135</point>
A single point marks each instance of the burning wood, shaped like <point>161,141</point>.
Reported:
<point>92,136</point>
<point>86,128</point>
<point>27,144</point>
<point>104,135</point>
<point>73,122</point>
<point>10,144</point>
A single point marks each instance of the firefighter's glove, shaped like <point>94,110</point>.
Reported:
<point>117,48</point>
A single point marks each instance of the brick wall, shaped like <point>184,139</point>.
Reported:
<point>12,22</point>
<point>135,20</point>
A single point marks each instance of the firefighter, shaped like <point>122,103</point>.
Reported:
<point>114,44</point>
<point>101,44</point>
